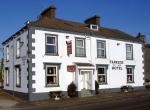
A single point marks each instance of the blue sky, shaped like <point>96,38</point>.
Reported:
<point>131,16</point>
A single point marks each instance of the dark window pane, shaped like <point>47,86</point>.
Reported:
<point>50,49</point>
<point>51,70</point>
<point>51,80</point>
<point>100,70</point>
<point>51,40</point>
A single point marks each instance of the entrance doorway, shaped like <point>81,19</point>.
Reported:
<point>86,79</point>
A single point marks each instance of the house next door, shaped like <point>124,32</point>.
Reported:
<point>86,79</point>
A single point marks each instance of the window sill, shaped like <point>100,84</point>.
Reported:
<point>7,60</point>
<point>18,86</point>
<point>81,56</point>
<point>7,84</point>
<point>52,85</point>
<point>130,82</point>
<point>51,54</point>
<point>102,83</point>
<point>130,59</point>
<point>102,57</point>
<point>17,57</point>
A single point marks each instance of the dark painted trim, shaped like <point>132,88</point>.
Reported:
<point>130,66</point>
<point>30,64</point>
<point>21,95</point>
<point>58,68</point>
<point>104,66</point>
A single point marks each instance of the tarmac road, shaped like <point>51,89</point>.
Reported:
<point>130,103</point>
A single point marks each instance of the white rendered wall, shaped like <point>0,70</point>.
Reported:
<point>22,61</point>
<point>115,78</point>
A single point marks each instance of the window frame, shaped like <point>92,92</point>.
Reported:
<point>129,52</point>
<point>101,49</point>
<point>7,72</point>
<point>18,75</point>
<point>57,76</point>
<point>7,53</point>
<point>83,47</point>
<point>132,68</point>
<point>56,44</point>
<point>105,74</point>
<point>18,48</point>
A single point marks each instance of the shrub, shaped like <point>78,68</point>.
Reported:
<point>96,87</point>
<point>72,90</point>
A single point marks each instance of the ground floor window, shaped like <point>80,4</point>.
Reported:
<point>51,75</point>
<point>130,74</point>
<point>102,74</point>
<point>7,76</point>
<point>18,76</point>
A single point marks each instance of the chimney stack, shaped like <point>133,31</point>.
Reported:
<point>49,12</point>
<point>93,20</point>
<point>141,37</point>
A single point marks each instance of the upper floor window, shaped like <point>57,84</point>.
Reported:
<point>7,53</point>
<point>18,48</point>
<point>129,51</point>
<point>18,76</point>
<point>51,44</point>
<point>101,49</point>
<point>130,74</point>
<point>80,47</point>
<point>7,76</point>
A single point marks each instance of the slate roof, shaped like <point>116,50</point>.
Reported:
<point>65,25</point>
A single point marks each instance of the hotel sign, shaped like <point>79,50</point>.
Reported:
<point>116,65</point>
<point>69,47</point>
<point>71,68</point>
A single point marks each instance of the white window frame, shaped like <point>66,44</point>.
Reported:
<point>53,75</point>
<point>7,76</point>
<point>80,47</point>
<point>101,49</point>
<point>130,74</point>
<point>55,44</point>
<point>18,76</point>
<point>91,27</point>
<point>105,74</point>
<point>18,48</point>
<point>129,54</point>
<point>7,53</point>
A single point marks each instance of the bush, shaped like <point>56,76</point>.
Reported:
<point>72,90</point>
<point>96,87</point>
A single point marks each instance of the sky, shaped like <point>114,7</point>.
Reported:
<point>130,16</point>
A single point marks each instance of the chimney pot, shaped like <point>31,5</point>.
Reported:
<point>93,20</point>
<point>49,12</point>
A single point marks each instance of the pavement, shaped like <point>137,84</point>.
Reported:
<point>8,102</point>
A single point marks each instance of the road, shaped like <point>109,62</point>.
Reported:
<point>131,103</point>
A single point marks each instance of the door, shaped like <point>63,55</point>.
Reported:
<point>86,79</point>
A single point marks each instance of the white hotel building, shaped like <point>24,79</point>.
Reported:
<point>49,53</point>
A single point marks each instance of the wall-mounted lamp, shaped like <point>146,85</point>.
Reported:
<point>118,44</point>
<point>21,44</point>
